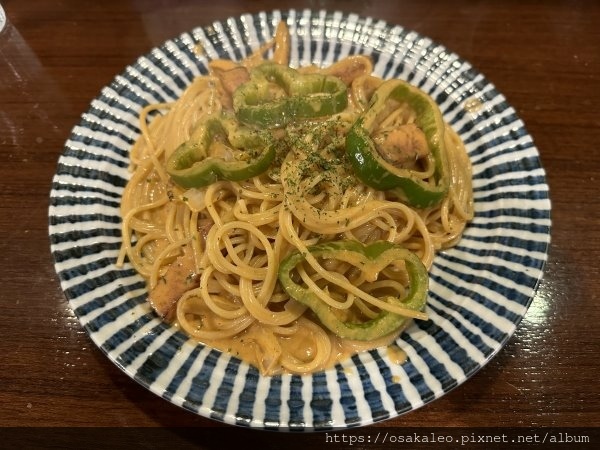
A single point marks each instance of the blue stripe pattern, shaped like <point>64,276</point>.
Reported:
<point>480,289</point>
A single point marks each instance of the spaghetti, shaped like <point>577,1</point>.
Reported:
<point>212,254</point>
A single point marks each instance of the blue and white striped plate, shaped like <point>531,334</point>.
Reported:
<point>480,290</point>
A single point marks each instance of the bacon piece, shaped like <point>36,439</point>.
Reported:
<point>402,146</point>
<point>231,79</point>
<point>350,68</point>
<point>179,278</point>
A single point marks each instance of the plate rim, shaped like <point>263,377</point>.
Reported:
<point>383,25</point>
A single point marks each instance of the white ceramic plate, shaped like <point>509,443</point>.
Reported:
<point>480,290</point>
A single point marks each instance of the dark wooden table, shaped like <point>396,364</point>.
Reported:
<point>56,56</point>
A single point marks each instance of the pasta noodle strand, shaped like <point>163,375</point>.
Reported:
<point>238,232</point>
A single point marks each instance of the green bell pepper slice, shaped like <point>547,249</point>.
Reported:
<point>370,257</point>
<point>372,169</point>
<point>193,165</point>
<point>277,95</point>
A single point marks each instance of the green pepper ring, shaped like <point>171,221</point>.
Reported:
<point>385,322</point>
<point>370,167</point>
<point>190,166</point>
<point>308,96</point>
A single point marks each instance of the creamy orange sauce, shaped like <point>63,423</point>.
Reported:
<point>261,350</point>
<point>199,49</point>
<point>472,105</point>
<point>396,354</point>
